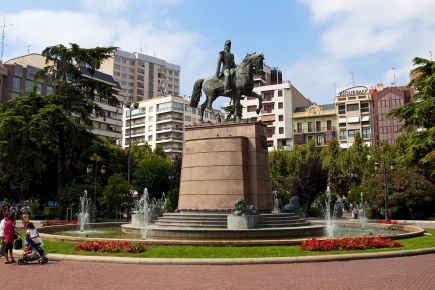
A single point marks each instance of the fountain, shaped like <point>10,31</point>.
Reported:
<point>276,208</point>
<point>362,216</point>
<point>85,207</point>
<point>330,215</point>
<point>149,210</point>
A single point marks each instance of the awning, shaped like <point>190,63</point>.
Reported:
<point>343,145</point>
<point>354,119</point>
<point>365,118</point>
<point>342,120</point>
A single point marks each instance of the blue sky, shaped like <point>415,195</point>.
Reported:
<point>319,45</point>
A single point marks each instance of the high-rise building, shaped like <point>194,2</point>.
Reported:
<point>161,121</point>
<point>354,109</point>
<point>141,76</point>
<point>19,78</point>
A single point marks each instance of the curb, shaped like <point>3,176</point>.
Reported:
<point>241,261</point>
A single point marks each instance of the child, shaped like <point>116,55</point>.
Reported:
<point>25,218</point>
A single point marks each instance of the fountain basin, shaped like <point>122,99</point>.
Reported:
<point>189,237</point>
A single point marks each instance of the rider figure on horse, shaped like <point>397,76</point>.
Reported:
<point>226,60</point>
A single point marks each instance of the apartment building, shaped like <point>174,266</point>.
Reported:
<point>19,78</point>
<point>385,99</point>
<point>161,121</point>
<point>318,122</point>
<point>354,110</point>
<point>141,76</point>
<point>279,102</point>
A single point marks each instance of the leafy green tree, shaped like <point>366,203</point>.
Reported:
<point>310,181</point>
<point>116,193</point>
<point>153,173</point>
<point>71,70</point>
<point>420,144</point>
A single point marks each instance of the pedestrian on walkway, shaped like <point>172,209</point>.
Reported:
<point>9,232</point>
<point>355,212</point>
<point>2,236</point>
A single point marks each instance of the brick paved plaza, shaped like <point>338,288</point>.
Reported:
<point>413,272</point>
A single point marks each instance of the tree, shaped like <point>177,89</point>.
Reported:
<point>71,71</point>
<point>420,144</point>
<point>117,192</point>
<point>311,180</point>
<point>153,173</point>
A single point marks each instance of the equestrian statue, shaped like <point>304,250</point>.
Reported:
<point>229,81</point>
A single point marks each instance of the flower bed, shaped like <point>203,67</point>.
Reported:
<point>388,222</point>
<point>341,244</point>
<point>110,247</point>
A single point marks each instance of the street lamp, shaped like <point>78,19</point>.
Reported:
<point>135,106</point>
<point>385,172</point>
<point>89,171</point>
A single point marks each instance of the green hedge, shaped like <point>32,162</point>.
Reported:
<point>50,212</point>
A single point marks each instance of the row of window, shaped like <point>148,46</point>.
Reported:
<point>16,86</point>
<point>343,109</point>
<point>351,133</point>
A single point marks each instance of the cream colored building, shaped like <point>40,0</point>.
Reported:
<point>317,122</point>
<point>279,102</point>
<point>141,76</point>
<point>354,109</point>
<point>161,121</point>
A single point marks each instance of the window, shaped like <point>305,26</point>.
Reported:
<point>366,133</point>
<point>279,93</point>
<point>187,118</point>
<point>28,86</point>
<point>193,111</point>
<point>299,127</point>
<point>150,118</point>
<point>150,109</point>
<point>318,140</point>
<point>150,128</point>
<point>281,130</point>
<point>328,125</point>
<point>318,126</point>
<point>280,118</point>
<point>17,84</point>
<point>150,137</point>
<point>351,133</point>
<point>365,107</point>
<point>280,105</point>
<point>251,108</point>
<point>310,126</point>
<point>341,110</point>
<point>352,107</point>
<point>343,135</point>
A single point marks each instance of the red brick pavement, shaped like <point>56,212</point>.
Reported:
<point>415,272</point>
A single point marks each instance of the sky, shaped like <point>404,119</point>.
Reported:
<point>318,45</point>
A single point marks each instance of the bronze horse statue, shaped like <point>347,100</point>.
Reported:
<point>241,85</point>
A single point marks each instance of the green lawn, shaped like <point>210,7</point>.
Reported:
<point>237,252</point>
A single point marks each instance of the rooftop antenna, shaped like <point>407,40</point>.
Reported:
<point>394,74</point>
<point>353,82</point>
<point>3,38</point>
<point>28,49</point>
<point>430,52</point>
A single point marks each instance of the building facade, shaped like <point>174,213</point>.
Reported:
<point>318,122</point>
<point>141,76</point>
<point>354,110</point>
<point>279,101</point>
<point>20,79</point>
<point>385,99</point>
<point>161,121</point>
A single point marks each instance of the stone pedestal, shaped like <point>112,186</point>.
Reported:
<point>239,222</point>
<point>223,163</point>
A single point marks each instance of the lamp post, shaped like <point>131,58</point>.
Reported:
<point>89,171</point>
<point>385,172</point>
<point>128,106</point>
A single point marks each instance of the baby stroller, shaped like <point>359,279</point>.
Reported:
<point>32,252</point>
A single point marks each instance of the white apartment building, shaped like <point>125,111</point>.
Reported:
<point>161,121</point>
<point>141,76</point>
<point>279,102</point>
<point>354,109</point>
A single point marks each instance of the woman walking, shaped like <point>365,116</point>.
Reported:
<point>9,232</point>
